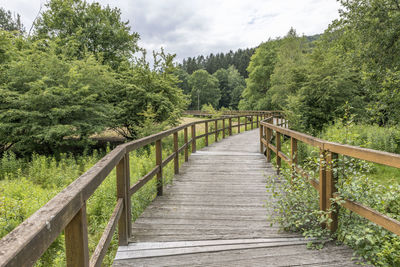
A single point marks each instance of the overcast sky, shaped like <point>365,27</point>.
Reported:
<point>194,27</point>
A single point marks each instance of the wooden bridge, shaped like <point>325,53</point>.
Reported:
<point>212,214</point>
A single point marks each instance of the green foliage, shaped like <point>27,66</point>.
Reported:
<point>45,176</point>
<point>297,209</point>
<point>290,70</point>
<point>144,95</point>
<point>260,70</point>
<point>212,63</point>
<point>10,22</point>
<point>49,101</point>
<point>205,89</point>
<point>80,27</point>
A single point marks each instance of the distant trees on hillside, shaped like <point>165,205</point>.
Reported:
<point>239,59</point>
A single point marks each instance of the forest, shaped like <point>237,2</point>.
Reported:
<point>79,72</point>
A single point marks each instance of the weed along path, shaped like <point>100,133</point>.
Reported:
<point>213,214</point>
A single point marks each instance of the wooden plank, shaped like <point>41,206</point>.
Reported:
<point>76,240</point>
<point>374,216</point>
<point>176,158</point>
<point>322,181</point>
<point>284,157</point>
<point>28,241</point>
<point>134,254</point>
<point>167,160</point>
<point>381,157</point>
<point>206,134</point>
<point>193,138</point>
<point>331,180</point>
<point>128,198</point>
<point>122,192</point>
<point>261,139</point>
<point>141,182</point>
<point>308,139</point>
<point>185,136</point>
<point>159,163</point>
<point>293,155</point>
<point>216,130</point>
<point>223,128</point>
<point>179,244</point>
<point>105,240</point>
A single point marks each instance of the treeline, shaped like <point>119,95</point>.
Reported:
<point>353,65</point>
<point>211,63</point>
<point>76,75</point>
<point>216,80</point>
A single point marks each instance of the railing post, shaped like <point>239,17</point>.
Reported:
<point>76,240</point>
<point>128,197</point>
<point>194,138</point>
<point>268,138</point>
<point>293,155</point>
<point>122,192</point>
<point>185,137</point>
<point>278,148</point>
<point>261,137</point>
<point>245,123</point>
<point>176,158</point>
<point>239,124</point>
<point>331,180</point>
<point>223,128</point>
<point>257,122</point>
<point>206,133</point>
<point>322,180</point>
<point>159,163</point>
<point>216,130</point>
<point>230,126</point>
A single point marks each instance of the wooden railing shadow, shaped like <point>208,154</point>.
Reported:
<point>326,186</point>
<point>67,210</point>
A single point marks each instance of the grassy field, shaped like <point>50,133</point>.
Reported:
<point>26,185</point>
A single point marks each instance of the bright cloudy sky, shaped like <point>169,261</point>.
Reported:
<point>194,27</point>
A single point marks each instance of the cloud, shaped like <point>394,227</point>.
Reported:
<point>191,28</point>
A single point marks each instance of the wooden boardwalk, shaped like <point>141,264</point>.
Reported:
<point>214,215</point>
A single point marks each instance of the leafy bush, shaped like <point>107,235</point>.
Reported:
<point>297,209</point>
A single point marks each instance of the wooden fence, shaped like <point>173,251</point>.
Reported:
<point>67,210</point>
<point>326,186</point>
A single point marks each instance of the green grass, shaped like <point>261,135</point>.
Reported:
<point>28,184</point>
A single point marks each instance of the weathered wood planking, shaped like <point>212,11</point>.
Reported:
<point>214,215</point>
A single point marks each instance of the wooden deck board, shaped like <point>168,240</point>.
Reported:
<point>214,215</point>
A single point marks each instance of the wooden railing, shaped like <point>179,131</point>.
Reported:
<point>326,186</point>
<point>67,210</point>
<point>235,113</point>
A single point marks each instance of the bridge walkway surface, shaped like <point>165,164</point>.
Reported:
<point>214,214</point>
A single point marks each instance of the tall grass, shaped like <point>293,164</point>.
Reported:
<point>28,184</point>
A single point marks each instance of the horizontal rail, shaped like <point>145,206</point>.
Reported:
<point>374,216</point>
<point>105,240</point>
<point>329,151</point>
<point>140,183</point>
<point>28,241</point>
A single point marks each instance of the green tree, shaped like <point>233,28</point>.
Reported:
<point>8,22</point>
<point>49,101</point>
<point>183,77</point>
<point>222,76</point>
<point>204,89</point>
<point>237,84</point>
<point>80,27</point>
<point>146,98</point>
<point>290,69</point>
<point>260,69</point>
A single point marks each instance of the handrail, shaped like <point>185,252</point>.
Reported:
<point>329,152</point>
<point>67,210</point>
